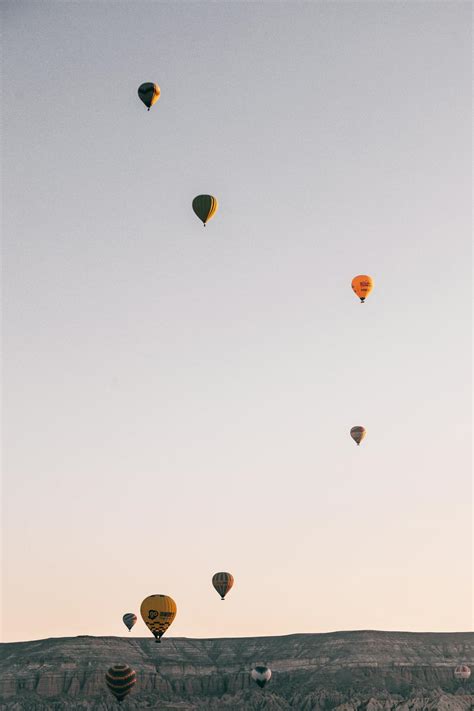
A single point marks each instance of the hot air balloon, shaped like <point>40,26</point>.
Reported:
<point>261,675</point>
<point>120,679</point>
<point>129,620</point>
<point>158,612</point>
<point>358,433</point>
<point>362,286</point>
<point>462,672</point>
<point>149,93</point>
<point>205,207</point>
<point>222,583</point>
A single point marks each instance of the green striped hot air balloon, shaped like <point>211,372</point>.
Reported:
<point>205,207</point>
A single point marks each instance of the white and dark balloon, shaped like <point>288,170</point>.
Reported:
<point>261,675</point>
<point>462,672</point>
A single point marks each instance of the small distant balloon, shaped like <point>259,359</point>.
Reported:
<point>358,433</point>
<point>362,286</point>
<point>120,679</point>
<point>129,620</point>
<point>222,582</point>
<point>149,93</point>
<point>205,207</point>
<point>462,672</point>
<point>261,675</point>
<point>158,612</point>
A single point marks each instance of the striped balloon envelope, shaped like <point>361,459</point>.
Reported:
<point>129,620</point>
<point>358,433</point>
<point>222,582</point>
<point>462,672</point>
<point>261,675</point>
<point>120,679</point>
<point>205,207</point>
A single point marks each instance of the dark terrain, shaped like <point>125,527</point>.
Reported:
<point>347,671</point>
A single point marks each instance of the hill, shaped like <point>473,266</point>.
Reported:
<point>347,671</point>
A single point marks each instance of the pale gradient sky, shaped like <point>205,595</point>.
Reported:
<point>178,400</point>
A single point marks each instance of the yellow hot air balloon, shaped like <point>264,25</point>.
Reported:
<point>362,286</point>
<point>158,612</point>
<point>358,433</point>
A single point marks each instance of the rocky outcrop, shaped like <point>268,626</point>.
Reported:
<point>343,671</point>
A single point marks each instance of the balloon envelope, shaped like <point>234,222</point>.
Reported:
<point>158,612</point>
<point>222,582</point>
<point>205,207</point>
<point>261,675</point>
<point>362,286</point>
<point>149,93</point>
<point>358,433</point>
<point>462,672</point>
<point>120,679</point>
<point>129,620</point>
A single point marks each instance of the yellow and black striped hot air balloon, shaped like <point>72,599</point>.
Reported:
<point>362,285</point>
<point>120,679</point>
<point>358,433</point>
<point>205,207</point>
<point>158,612</point>
<point>149,93</point>
<point>222,582</point>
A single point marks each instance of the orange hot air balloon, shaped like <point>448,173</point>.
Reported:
<point>362,285</point>
<point>222,582</point>
<point>358,433</point>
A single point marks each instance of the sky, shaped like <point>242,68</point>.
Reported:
<point>178,400</point>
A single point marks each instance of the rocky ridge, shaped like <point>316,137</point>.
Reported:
<point>347,671</point>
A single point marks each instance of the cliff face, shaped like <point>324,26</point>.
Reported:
<point>347,671</point>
